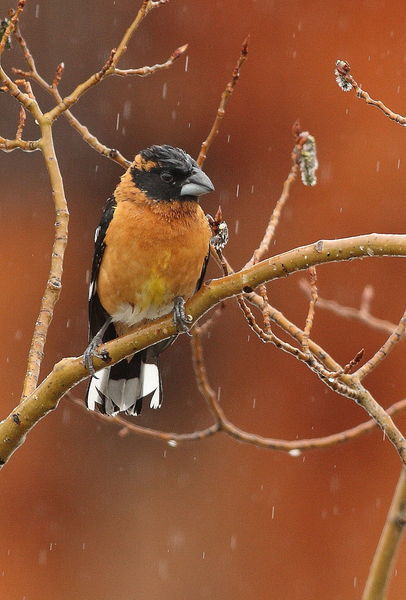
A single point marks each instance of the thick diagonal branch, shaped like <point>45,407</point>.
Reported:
<point>70,371</point>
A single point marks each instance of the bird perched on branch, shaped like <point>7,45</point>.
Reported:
<point>151,252</point>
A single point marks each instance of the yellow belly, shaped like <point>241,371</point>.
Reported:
<point>153,254</point>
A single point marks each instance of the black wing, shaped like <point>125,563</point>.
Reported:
<point>97,315</point>
<point>203,273</point>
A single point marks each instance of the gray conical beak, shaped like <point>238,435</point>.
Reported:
<point>197,184</point>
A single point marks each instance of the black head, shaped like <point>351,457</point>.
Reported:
<point>166,173</point>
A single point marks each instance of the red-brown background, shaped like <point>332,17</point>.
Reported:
<point>88,515</point>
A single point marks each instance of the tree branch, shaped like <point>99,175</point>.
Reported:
<point>225,97</point>
<point>110,65</point>
<point>70,371</point>
<point>54,283</point>
<point>347,82</point>
<point>10,145</point>
<point>362,314</point>
<point>385,554</point>
<point>383,352</point>
<point>294,447</point>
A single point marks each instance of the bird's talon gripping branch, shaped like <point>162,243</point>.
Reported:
<point>180,318</point>
<point>91,351</point>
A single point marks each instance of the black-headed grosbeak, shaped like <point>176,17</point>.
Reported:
<point>151,252</point>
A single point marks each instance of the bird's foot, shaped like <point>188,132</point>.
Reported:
<point>180,318</point>
<point>91,350</point>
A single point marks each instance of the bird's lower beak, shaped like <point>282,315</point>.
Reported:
<point>197,184</point>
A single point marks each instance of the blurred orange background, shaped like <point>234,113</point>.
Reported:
<point>88,514</point>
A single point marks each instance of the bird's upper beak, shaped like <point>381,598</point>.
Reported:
<point>197,184</point>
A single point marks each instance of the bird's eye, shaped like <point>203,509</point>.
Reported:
<point>167,177</point>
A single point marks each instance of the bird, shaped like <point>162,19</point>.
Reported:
<point>151,251</point>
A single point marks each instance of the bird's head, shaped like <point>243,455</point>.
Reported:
<point>165,173</point>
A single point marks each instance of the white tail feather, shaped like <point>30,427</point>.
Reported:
<point>121,395</point>
<point>100,382</point>
<point>150,383</point>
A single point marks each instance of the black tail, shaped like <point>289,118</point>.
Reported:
<point>124,386</point>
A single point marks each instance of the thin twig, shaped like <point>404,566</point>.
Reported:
<point>130,427</point>
<point>295,447</point>
<point>146,7</point>
<point>274,219</point>
<point>354,361</point>
<point>332,379</point>
<point>347,82</point>
<point>108,68</point>
<point>348,312</point>
<point>383,352</point>
<point>27,86</point>
<point>367,296</point>
<point>310,312</point>
<point>83,131</point>
<point>12,88</point>
<point>225,97</point>
<point>11,25</point>
<point>150,70</point>
<point>300,139</point>
<point>26,145</point>
<point>279,319</point>
<point>206,326</point>
<point>58,75</point>
<point>21,123</point>
<point>262,291</point>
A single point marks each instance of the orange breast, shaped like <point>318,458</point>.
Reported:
<point>154,252</point>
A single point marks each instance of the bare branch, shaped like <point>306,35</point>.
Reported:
<point>382,353</point>
<point>29,103</point>
<point>277,317</point>
<point>263,248</point>
<point>10,145</point>
<point>83,131</point>
<point>58,75</point>
<point>145,71</point>
<point>385,554</point>
<point>21,123</point>
<point>295,447</point>
<point>225,96</point>
<point>354,361</point>
<point>70,371</point>
<point>110,65</point>
<point>310,313</point>
<point>170,438</point>
<point>347,82</point>
<point>146,7</point>
<point>360,314</point>
<point>54,283</point>
<point>11,25</point>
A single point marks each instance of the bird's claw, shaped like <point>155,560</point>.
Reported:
<point>91,350</point>
<point>181,320</point>
<point>90,353</point>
